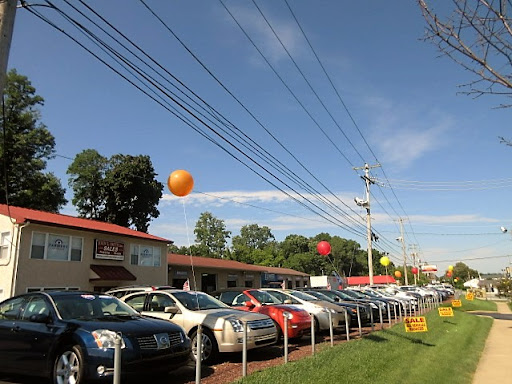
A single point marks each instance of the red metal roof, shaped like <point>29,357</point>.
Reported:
<point>25,215</point>
<point>365,280</point>
<point>111,272</point>
<point>208,262</point>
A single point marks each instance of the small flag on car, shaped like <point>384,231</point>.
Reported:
<point>186,286</point>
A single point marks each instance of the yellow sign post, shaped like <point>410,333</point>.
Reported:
<point>445,311</point>
<point>470,296</point>
<point>456,303</point>
<point>415,324</point>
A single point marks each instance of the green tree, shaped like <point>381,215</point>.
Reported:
<point>121,190</point>
<point>254,238</point>
<point>211,236</point>
<point>462,271</point>
<point>26,146</point>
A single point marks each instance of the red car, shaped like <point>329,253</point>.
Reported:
<point>255,300</point>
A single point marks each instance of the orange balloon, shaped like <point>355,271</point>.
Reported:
<point>180,183</point>
<point>398,274</point>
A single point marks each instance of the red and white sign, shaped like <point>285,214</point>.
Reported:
<point>110,250</point>
<point>428,268</point>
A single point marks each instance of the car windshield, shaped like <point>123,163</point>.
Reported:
<point>319,295</point>
<point>354,294</point>
<point>88,306</point>
<point>264,297</point>
<point>196,301</point>
<point>303,296</point>
<point>284,298</point>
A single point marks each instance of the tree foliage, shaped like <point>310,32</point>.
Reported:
<point>121,190</point>
<point>211,236</point>
<point>26,146</point>
<point>478,36</point>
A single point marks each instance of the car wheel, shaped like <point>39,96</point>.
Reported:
<point>69,366</point>
<point>209,348</point>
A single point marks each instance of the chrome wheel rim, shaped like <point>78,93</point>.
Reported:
<point>67,368</point>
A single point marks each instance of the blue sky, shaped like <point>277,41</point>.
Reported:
<point>439,150</point>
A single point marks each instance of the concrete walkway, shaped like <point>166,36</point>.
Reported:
<point>495,364</point>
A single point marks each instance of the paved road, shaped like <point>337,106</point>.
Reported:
<point>494,365</point>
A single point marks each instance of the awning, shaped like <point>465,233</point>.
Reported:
<point>110,272</point>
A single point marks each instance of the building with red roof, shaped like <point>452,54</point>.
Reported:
<point>42,250</point>
<point>209,274</point>
<point>365,280</point>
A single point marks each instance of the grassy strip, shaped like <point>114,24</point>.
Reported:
<point>448,352</point>
<point>477,305</point>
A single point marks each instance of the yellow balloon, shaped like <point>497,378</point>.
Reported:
<point>180,182</point>
<point>450,267</point>
<point>384,260</point>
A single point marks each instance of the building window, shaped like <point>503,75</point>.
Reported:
<point>248,284</point>
<point>145,255</point>
<point>5,241</point>
<point>39,289</point>
<point>56,247</point>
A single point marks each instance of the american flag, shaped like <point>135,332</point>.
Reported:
<point>186,286</point>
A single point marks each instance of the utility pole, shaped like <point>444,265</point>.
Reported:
<point>414,255</point>
<point>366,204</point>
<point>401,238</point>
<point>7,14</point>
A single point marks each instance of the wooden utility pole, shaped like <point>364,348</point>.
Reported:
<point>7,14</point>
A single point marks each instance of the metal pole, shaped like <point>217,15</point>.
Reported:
<point>400,311</point>
<point>347,327</point>
<point>331,330</point>
<point>117,358</point>
<point>359,321</point>
<point>380,317</point>
<point>285,336</point>
<point>199,352</point>
<point>244,349</point>
<point>389,315</point>
<point>371,317</point>
<point>312,334</point>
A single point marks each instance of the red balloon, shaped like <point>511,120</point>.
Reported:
<point>414,270</point>
<point>449,273</point>
<point>323,248</point>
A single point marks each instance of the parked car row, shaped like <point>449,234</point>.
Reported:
<point>70,336</point>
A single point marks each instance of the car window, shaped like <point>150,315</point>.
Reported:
<point>282,297</point>
<point>198,300</point>
<point>264,297</point>
<point>36,306</point>
<point>240,300</point>
<point>136,302</point>
<point>9,309</point>
<point>228,297</point>
<point>86,306</point>
<point>158,302</point>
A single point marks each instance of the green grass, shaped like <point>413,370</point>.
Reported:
<point>477,305</point>
<point>448,352</point>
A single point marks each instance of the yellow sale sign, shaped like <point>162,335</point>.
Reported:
<point>470,296</point>
<point>415,324</point>
<point>456,303</point>
<point>445,311</point>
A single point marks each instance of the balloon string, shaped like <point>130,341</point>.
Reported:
<point>189,249</point>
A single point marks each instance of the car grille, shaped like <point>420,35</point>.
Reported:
<point>260,324</point>
<point>150,342</point>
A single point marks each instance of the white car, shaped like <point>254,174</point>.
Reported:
<point>222,325</point>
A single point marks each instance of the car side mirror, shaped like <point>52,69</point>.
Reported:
<point>172,309</point>
<point>40,318</point>
<point>249,304</point>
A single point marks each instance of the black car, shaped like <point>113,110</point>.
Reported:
<point>69,336</point>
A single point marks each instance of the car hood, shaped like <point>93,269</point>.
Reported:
<point>224,313</point>
<point>126,324</point>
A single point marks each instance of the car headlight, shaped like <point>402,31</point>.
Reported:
<point>288,315</point>
<point>236,324</point>
<point>105,338</point>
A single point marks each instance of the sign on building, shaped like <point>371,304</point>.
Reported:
<point>429,268</point>
<point>108,250</point>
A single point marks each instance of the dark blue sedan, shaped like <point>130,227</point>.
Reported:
<point>69,337</point>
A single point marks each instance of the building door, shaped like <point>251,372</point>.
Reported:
<point>208,282</point>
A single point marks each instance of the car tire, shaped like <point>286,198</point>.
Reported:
<point>210,349</point>
<point>69,366</point>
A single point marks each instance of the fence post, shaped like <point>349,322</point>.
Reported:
<point>199,352</point>
<point>244,349</point>
<point>312,334</point>
<point>117,358</point>
<point>285,336</point>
